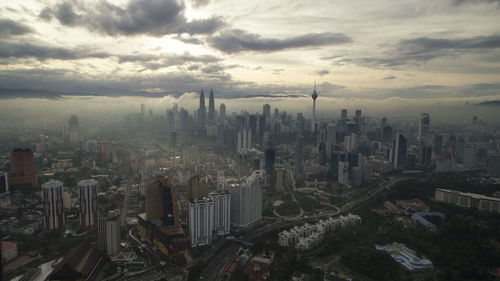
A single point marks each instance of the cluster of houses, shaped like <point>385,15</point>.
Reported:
<point>308,236</point>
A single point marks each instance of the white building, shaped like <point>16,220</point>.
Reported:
<point>53,205</point>
<point>308,236</point>
<point>109,233</point>
<point>201,221</point>
<point>88,201</point>
<point>246,201</point>
<point>222,211</point>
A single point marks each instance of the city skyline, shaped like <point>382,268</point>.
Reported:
<point>158,48</point>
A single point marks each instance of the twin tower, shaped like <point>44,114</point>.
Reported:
<point>202,112</point>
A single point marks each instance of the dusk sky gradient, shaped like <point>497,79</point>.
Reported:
<point>363,49</point>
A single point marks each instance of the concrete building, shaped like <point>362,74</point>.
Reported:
<point>494,166</point>
<point>423,126</point>
<point>309,236</point>
<point>299,151</point>
<point>468,200</point>
<point>469,160</point>
<point>246,202</point>
<point>4,184</point>
<point>201,221</point>
<point>109,233</point>
<point>399,152</point>
<point>87,190</point>
<point>22,168</point>
<point>53,205</point>
<point>196,189</point>
<point>406,257</point>
<point>222,211</point>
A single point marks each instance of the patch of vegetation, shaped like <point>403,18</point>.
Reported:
<point>307,203</point>
<point>288,208</point>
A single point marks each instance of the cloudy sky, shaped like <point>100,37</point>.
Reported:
<point>362,49</point>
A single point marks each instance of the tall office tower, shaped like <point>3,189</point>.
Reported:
<point>425,155</point>
<point>201,221</point>
<point>143,112</point>
<point>383,122</point>
<point>438,145</point>
<point>202,111</point>
<point>222,111</point>
<point>4,184</point>
<point>387,134</point>
<point>423,125</point>
<point>399,152</point>
<point>278,182</point>
<point>269,158</point>
<point>343,171</point>
<point>73,130</point>
<point>252,125</point>
<point>161,203</point>
<point>469,160</point>
<point>170,120</point>
<point>321,144</point>
<point>222,211</point>
<point>351,142</point>
<point>88,201</point>
<point>314,96</point>
<point>211,108</point>
<point>299,151</point>
<point>109,233</point>
<point>343,114</point>
<point>244,140</point>
<point>246,202</point>
<point>276,115</point>
<point>22,168</point>
<point>261,128</point>
<point>358,114</point>
<point>53,208</point>
<point>195,188</point>
<point>266,112</point>
<point>331,138</point>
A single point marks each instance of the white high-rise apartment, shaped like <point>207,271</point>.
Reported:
<point>222,207</point>
<point>246,201</point>
<point>53,205</point>
<point>88,201</point>
<point>201,221</point>
<point>109,233</point>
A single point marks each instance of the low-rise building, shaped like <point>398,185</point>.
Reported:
<point>468,200</point>
<point>406,257</point>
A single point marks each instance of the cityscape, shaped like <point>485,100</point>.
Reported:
<point>189,140</point>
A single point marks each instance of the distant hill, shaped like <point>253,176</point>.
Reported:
<point>489,103</point>
<point>6,93</point>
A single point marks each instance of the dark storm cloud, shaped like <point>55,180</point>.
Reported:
<point>235,41</point>
<point>11,28</point>
<point>152,17</point>
<point>40,52</point>
<point>322,72</point>
<point>420,50</point>
<point>189,40</point>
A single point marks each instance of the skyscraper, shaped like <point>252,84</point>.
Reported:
<point>246,202</point>
<point>22,167</point>
<point>222,111</point>
<point>53,208</point>
<point>331,138</point>
<point>202,111</point>
<point>88,202</point>
<point>399,151</point>
<point>423,125</point>
<point>222,208</point>
<point>211,108</point>
<point>4,184</point>
<point>299,149</point>
<point>161,203</point>
<point>195,188</point>
<point>266,112</point>
<point>109,233</point>
<point>343,114</point>
<point>314,96</point>
<point>201,221</point>
<point>74,130</point>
